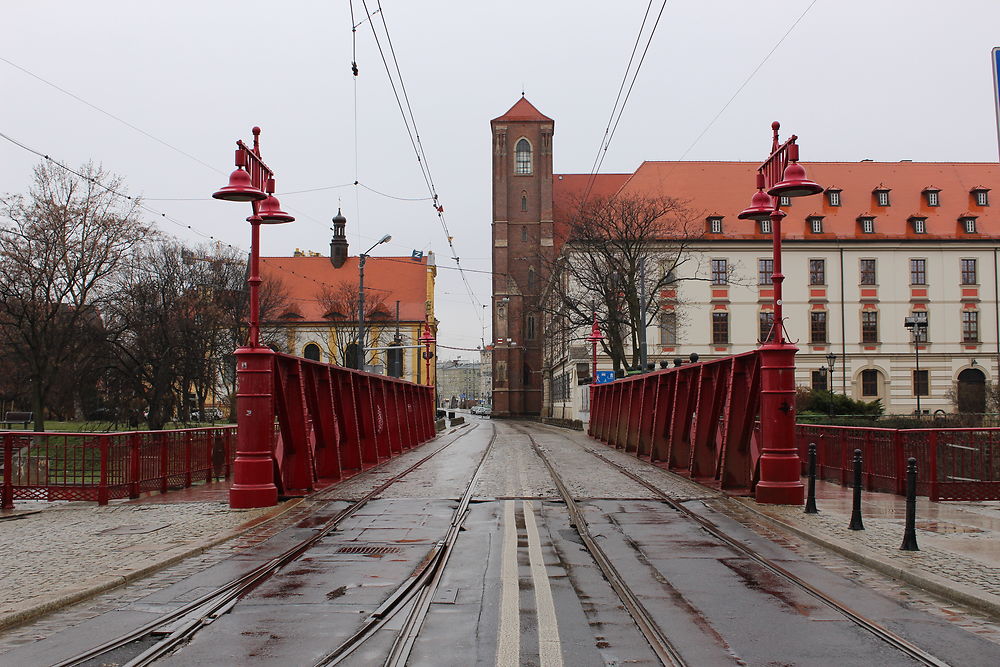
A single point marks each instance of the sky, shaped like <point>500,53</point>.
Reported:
<point>159,93</point>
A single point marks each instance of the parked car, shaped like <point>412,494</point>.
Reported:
<point>482,410</point>
<point>209,415</point>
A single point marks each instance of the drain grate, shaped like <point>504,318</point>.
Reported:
<point>368,549</point>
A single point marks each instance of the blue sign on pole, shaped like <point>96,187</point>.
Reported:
<point>603,377</point>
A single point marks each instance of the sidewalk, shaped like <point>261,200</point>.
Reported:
<point>959,542</point>
<point>55,553</point>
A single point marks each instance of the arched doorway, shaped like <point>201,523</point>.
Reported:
<point>971,391</point>
<point>311,352</point>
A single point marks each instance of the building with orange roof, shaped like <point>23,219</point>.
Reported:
<point>883,242</point>
<point>316,313</point>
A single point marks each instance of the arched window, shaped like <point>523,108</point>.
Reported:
<point>532,279</point>
<point>524,233</point>
<point>524,201</point>
<point>311,351</point>
<point>522,157</point>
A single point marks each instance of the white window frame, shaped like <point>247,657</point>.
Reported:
<point>982,198</point>
<point>969,224</point>
<point>785,201</point>
<point>715,225</point>
<point>517,161</point>
<point>816,224</point>
<point>882,197</point>
<point>765,226</point>
<point>920,225</point>
<point>933,198</point>
<point>868,225</point>
<point>833,197</point>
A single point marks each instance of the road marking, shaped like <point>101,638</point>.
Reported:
<point>509,634</point>
<point>549,649</point>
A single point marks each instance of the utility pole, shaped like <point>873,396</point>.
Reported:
<point>642,314</point>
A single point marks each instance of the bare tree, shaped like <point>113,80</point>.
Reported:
<point>340,303</point>
<point>610,244</point>
<point>60,247</point>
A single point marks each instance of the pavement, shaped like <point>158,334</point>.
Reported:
<point>959,542</point>
<point>55,554</point>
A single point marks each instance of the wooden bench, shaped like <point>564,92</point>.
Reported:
<point>11,418</point>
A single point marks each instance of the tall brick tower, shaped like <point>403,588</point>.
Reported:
<point>522,248</point>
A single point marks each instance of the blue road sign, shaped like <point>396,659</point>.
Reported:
<point>604,377</point>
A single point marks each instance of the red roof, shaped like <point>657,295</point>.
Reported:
<point>724,188</point>
<point>521,111</point>
<point>391,278</point>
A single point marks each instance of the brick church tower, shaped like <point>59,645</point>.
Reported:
<point>522,248</point>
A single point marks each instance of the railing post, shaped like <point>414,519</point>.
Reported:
<point>208,437</point>
<point>910,532</point>
<point>134,465</point>
<point>102,488</point>
<point>898,461</point>
<point>187,458</point>
<point>163,442</point>
<point>7,500</point>
<point>227,445</point>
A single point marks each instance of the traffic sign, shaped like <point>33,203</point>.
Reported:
<point>603,377</point>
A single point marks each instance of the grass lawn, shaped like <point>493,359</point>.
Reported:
<point>108,427</point>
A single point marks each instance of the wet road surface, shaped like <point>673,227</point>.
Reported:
<point>520,588</point>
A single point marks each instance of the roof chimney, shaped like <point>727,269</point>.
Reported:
<point>338,245</point>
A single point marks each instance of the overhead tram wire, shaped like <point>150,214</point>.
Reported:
<point>605,143</point>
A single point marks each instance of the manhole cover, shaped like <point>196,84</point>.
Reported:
<point>134,530</point>
<point>368,549</point>
<point>942,527</point>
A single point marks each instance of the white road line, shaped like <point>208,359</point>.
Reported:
<point>509,634</point>
<point>549,649</point>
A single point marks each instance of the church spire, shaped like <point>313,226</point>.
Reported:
<point>338,244</point>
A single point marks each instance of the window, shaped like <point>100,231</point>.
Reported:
<point>720,272</point>
<point>920,383</point>
<point>530,327</point>
<point>765,226</point>
<point>819,380</point>
<point>765,321</point>
<point>816,224</point>
<point>982,196</point>
<point>920,332</point>
<point>668,328</point>
<point>869,382</point>
<point>919,225</point>
<point>882,197</point>
<point>765,267</point>
<point>785,201</point>
<point>524,203</point>
<point>524,233</point>
<point>968,224</point>
<point>933,197</point>
<point>969,272</point>
<point>817,326</point>
<point>869,326</point>
<point>715,225</point>
<point>311,352</point>
<point>918,271</point>
<point>532,279</point>
<point>522,157</point>
<point>867,224</point>
<point>817,271</point>
<point>833,197</point>
<point>720,328</point>
<point>970,326</point>
<point>868,272</point>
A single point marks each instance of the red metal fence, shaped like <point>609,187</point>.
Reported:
<point>952,463</point>
<point>696,419</point>
<point>333,422</point>
<point>105,466</point>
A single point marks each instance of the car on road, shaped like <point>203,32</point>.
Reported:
<point>483,410</point>
<point>209,415</point>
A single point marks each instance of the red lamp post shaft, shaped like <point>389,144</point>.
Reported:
<point>253,282</point>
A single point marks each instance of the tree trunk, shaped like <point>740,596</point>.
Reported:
<point>38,405</point>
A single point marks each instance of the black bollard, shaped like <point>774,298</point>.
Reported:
<point>856,523</point>
<point>910,533</point>
<point>811,499</point>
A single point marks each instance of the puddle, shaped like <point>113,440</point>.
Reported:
<point>943,527</point>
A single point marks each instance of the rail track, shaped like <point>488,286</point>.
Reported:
<point>169,631</point>
<point>876,629</point>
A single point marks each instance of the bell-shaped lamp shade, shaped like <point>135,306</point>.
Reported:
<point>760,208</point>
<point>270,212</point>
<point>240,188</point>
<point>794,183</point>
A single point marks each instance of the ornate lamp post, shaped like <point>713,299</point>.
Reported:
<point>594,338</point>
<point>831,359</point>
<point>361,300</point>
<point>427,339</point>
<point>253,470</point>
<point>915,324</point>
<point>779,176</point>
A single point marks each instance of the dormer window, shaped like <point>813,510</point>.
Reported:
<point>833,196</point>
<point>867,224</point>
<point>881,196</point>
<point>522,157</point>
<point>919,224</point>
<point>933,196</point>
<point>715,224</point>
<point>815,224</point>
<point>765,226</point>
<point>785,201</point>
<point>968,223</point>
<point>982,196</point>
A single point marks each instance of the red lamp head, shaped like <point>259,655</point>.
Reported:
<point>240,188</point>
<point>270,212</point>
<point>794,183</point>
<point>760,208</point>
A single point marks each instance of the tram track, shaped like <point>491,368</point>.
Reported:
<point>879,631</point>
<point>172,629</point>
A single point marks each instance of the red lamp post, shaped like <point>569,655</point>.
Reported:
<point>779,176</point>
<point>253,470</point>
<point>594,338</point>
<point>427,339</point>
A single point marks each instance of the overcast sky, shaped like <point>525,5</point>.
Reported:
<point>879,79</point>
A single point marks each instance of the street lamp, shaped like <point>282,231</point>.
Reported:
<point>253,470</point>
<point>915,325</point>
<point>361,300</point>
<point>594,338</point>
<point>779,176</point>
<point>831,359</point>
<point>427,339</point>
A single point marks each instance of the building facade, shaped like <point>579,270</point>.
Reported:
<point>459,383</point>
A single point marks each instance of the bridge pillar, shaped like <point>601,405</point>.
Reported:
<point>253,471</point>
<point>780,467</point>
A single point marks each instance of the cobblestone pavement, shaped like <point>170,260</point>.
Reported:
<point>49,550</point>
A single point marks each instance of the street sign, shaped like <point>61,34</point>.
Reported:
<point>603,377</point>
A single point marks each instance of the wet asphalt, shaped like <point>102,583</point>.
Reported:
<point>520,588</point>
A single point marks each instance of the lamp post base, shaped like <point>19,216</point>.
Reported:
<point>253,469</point>
<point>780,466</point>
